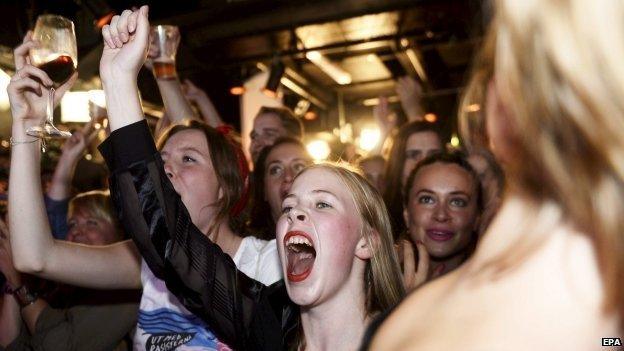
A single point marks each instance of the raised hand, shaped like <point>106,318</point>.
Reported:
<point>414,276</point>
<point>74,147</point>
<point>126,41</point>
<point>410,94</point>
<point>386,118</point>
<point>29,87</point>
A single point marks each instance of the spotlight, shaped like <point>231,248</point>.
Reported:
<point>277,71</point>
<point>238,88</point>
<point>100,10</point>
<point>318,149</point>
<point>431,117</point>
<point>369,138</point>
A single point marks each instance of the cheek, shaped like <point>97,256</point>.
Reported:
<point>340,240</point>
<point>420,218</point>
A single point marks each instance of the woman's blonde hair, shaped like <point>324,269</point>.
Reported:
<point>383,280</point>
<point>98,204</point>
<point>558,71</point>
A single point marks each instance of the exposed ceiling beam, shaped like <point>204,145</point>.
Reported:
<point>288,15</point>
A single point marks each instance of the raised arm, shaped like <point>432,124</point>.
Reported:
<point>410,94</point>
<point>176,104</point>
<point>72,151</point>
<point>242,312</point>
<point>206,108</point>
<point>34,249</point>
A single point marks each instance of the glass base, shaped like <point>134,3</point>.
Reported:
<point>47,131</point>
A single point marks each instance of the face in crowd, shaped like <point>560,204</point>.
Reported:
<point>282,164</point>
<point>320,239</point>
<point>442,209</point>
<point>418,146</point>
<point>188,165</point>
<point>267,127</point>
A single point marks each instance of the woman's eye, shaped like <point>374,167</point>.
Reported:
<point>286,209</point>
<point>275,170</point>
<point>426,199</point>
<point>187,159</point>
<point>299,167</point>
<point>321,205</point>
<point>70,225</point>
<point>459,202</point>
<point>92,222</point>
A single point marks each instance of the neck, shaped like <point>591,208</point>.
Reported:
<point>446,264</point>
<point>338,323</point>
<point>225,237</point>
<point>520,226</point>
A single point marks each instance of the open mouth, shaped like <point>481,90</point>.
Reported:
<point>300,256</point>
<point>440,234</point>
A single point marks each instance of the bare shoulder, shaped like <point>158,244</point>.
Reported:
<point>552,299</point>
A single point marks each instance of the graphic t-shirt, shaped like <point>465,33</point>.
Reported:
<point>164,324</point>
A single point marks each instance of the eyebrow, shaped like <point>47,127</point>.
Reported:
<point>185,148</point>
<point>317,191</point>
<point>456,192</point>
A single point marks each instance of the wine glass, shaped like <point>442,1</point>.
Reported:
<point>57,56</point>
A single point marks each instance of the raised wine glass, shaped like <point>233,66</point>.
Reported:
<point>57,56</point>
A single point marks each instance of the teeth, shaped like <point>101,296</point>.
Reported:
<point>298,239</point>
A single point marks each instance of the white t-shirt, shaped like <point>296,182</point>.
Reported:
<point>165,324</point>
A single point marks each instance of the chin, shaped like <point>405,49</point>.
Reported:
<point>302,295</point>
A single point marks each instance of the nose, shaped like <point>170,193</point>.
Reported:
<point>441,213</point>
<point>169,170</point>
<point>289,174</point>
<point>296,214</point>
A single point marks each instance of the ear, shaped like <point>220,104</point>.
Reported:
<point>363,250</point>
<point>220,193</point>
<point>406,217</point>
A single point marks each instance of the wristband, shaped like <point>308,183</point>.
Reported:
<point>24,296</point>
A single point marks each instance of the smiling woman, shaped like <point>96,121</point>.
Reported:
<point>443,203</point>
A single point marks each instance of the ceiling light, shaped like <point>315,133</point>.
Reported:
<point>431,117</point>
<point>318,149</point>
<point>369,138</point>
<point>336,73</point>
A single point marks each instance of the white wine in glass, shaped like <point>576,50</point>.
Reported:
<point>56,55</point>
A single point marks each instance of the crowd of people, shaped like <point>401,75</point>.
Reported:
<point>512,242</point>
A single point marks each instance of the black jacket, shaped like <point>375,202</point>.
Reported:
<point>242,312</point>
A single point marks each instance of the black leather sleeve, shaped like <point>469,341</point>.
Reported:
<point>242,312</point>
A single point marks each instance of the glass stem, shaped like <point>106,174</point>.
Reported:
<point>50,107</point>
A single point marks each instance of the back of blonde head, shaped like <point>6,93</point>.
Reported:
<point>558,71</point>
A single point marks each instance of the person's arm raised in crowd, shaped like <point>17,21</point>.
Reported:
<point>410,94</point>
<point>242,312</point>
<point>206,108</point>
<point>171,91</point>
<point>34,249</point>
<point>72,151</point>
<point>386,120</point>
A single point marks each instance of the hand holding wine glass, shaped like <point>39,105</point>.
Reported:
<point>30,88</point>
<point>55,54</point>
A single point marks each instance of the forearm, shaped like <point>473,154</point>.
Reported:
<point>60,189</point>
<point>176,104</point>
<point>10,320</point>
<point>31,313</point>
<point>209,112</point>
<point>31,238</point>
<point>122,102</point>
